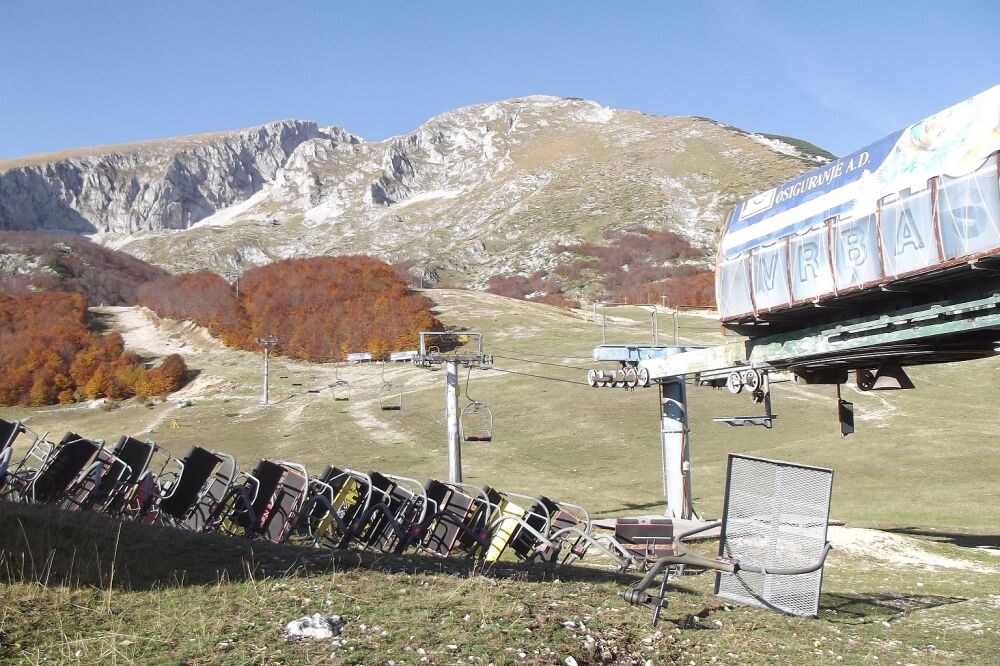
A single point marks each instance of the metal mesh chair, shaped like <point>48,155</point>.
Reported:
<point>776,516</point>
<point>773,539</point>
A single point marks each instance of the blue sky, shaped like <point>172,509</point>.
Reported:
<point>838,74</point>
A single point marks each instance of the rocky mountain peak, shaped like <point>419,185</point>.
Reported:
<point>472,192</point>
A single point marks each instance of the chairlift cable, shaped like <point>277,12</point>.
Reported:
<point>528,360</point>
<point>528,374</point>
<point>524,353</point>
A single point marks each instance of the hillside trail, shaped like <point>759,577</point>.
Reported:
<point>231,374</point>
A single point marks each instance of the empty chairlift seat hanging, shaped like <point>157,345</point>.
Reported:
<point>341,388</point>
<point>390,396</point>
<point>475,422</point>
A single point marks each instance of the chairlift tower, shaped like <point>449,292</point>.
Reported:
<point>267,343</point>
<point>675,455</point>
<point>233,277</point>
<point>431,355</point>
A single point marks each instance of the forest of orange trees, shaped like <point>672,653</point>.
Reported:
<point>319,309</point>
<point>48,355</point>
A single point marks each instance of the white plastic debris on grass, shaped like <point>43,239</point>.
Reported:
<point>317,628</point>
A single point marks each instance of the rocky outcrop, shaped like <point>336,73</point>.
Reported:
<point>474,192</point>
<point>152,186</point>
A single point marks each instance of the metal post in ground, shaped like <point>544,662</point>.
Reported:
<point>267,343</point>
<point>675,451</point>
<point>451,413</point>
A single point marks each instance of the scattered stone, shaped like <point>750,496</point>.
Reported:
<point>317,627</point>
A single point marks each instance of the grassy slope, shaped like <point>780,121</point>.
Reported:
<point>922,459</point>
<point>125,593</point>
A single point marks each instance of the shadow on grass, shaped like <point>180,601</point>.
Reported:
<point>49,546</point>
<point>954,538</point>
<point>865,608</point>
<point>630,507</point>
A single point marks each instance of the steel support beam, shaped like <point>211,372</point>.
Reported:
<point>676,458</point>
<point>451,416</point>
<point>847,342</point>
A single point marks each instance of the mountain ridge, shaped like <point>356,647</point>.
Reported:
<point>478,191</point>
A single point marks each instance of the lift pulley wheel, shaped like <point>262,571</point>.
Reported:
<point>734,383</point>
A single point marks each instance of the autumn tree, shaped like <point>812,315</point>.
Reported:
<point>319,308</point>
<point>48,354</point>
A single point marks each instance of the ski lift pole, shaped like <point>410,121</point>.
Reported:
<point>451,412</point>
<point>267,343</point>
<point>675,448</point>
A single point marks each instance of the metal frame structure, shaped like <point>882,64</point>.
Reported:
<point>430,356</point>
<point>772,546</point>
<point>875,346</point>
<point>390,398</point>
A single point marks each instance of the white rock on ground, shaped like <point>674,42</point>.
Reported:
<point>317,628</point>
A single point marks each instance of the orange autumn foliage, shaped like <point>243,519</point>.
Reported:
<point>48,355</point>
<point>320,309</point>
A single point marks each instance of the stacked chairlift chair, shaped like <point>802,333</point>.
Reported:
<point>771,552</point>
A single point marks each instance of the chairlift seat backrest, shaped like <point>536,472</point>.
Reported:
<point>103,467</point>
<point>132,458</point>
<point>327,488</point>
<point>562,520</point>
<point>382,494</point>
<point>288,497</point>
<point>135,453</point>
<point>349,500</point>
<point>213,494</point>
<point>455,507</point>
<point>9,430</point>
<point>70,457</point>
<point>199,464</point>
<point>403,505</point>
<point>537,517</point>
<point>268,475</point>
<point>480,519</point>
<point>505,524</point>
<point>775,516</point>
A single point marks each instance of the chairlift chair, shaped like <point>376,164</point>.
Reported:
<point>9,432</point>
<point>335,511</point>
<point>60,470</point>
<point>772,546</point>
<point>225,474</point>
<point>401,524</point>
<point>244,507</point>
<point>118,487</point>
<point>179,491</point>
<point>319,521</point>
<point>341,388</point>
<point>288,500</point>
<point>389,397</point>
<point>105,470</point>
<point>475,423</point>
<point>450,509</point>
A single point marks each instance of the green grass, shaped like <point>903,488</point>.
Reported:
<point>923,462</point>
<point>85,589</point>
